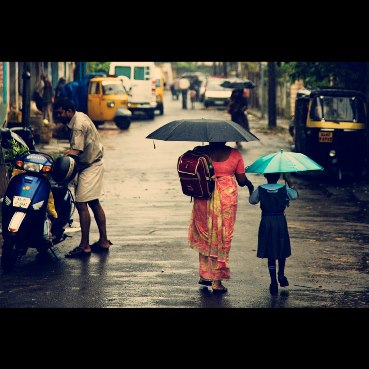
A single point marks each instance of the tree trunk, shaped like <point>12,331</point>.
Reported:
<point>272,103</point>
<point>215,68</point>
<point>225,69</point>
<point>26,95</point>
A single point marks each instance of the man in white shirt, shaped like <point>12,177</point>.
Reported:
<point>85,142</point>
<point>184,85</point>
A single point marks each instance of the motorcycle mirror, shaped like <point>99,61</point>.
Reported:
<point>6,136</point>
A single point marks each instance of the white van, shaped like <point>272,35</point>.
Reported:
<point>142,94</point>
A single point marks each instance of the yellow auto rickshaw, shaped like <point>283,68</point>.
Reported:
<point>330,126</point>
<point>107,100</point>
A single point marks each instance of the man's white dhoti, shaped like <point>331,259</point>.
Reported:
<point>89,183</point>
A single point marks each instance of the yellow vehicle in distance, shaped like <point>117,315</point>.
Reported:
<point>107,100</point>
<point>330,126</point>
<point>159,90</point>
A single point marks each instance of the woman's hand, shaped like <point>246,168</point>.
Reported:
<point>250,186</point>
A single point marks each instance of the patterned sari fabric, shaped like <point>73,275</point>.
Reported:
<point>211,229</point>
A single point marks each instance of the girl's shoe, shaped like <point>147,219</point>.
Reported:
<point>283,281</point>
<point>273,289</point>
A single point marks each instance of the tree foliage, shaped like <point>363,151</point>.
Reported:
<point>182,67</point>
<point>350,75</point>
<point>94,67</point>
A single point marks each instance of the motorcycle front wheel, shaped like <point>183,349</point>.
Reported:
<point>9,255</point>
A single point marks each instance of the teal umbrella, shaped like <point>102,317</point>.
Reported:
<point>283,162</point>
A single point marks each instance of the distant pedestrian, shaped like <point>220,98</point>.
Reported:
<point>59,89</point>
<point>184,85</point>
<point>174,89</point>
<point>58,94</point>
<point>237,108</point>
<point>192,98</point>
<point>47,99</point>
<point>195,85</point>
<point>273,237</point>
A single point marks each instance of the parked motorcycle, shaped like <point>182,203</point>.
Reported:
<point>28,204</point>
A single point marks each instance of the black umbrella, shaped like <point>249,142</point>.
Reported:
<point>238,83</point>
<point>202,130</point>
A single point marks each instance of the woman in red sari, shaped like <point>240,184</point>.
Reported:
<point>212,221</point>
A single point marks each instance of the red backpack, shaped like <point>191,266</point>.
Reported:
<point>196,173</point>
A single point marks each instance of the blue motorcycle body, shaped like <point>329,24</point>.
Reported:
<point>25,219</point>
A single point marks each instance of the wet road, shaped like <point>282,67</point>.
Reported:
<point>150,264</point>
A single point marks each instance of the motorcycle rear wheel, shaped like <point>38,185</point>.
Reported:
<point>9,255</point>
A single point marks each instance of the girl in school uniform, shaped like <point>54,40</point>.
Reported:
<point>273,237</point>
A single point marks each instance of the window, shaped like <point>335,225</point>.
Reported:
<point>339,109</point>
<point>142,73</point>
<point>123,71</point>
<point>113,88</point>
<point>94,88</point>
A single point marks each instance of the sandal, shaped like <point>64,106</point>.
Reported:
<point>77,252</point>
<point>96,247</point>
<point>205,282</point>
<point>221,289</point>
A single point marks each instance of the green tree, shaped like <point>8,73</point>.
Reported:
<point>94,67</point>
<point>182,67</point>
<point>272,95</point>
<point>350,75</point>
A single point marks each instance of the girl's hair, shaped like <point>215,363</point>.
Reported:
<point>272,177</point>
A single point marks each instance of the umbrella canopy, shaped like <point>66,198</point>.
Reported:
<point>238,83</point>
<point>202,130</point>
<point>283,162</point>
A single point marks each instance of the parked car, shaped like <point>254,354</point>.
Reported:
<point>215,94</point>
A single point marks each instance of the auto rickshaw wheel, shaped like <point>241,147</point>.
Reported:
<point>98,123</point>
<point>123,123</point>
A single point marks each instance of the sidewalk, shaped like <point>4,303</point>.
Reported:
<point>255,114</point>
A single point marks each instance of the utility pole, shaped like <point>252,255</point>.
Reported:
<point>272,101</point>
<point>225,69</point>
<point>214,68</point>
<point>80,71</point>
<point>26,95</point>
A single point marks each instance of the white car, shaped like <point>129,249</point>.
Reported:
<point>215,94</point>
